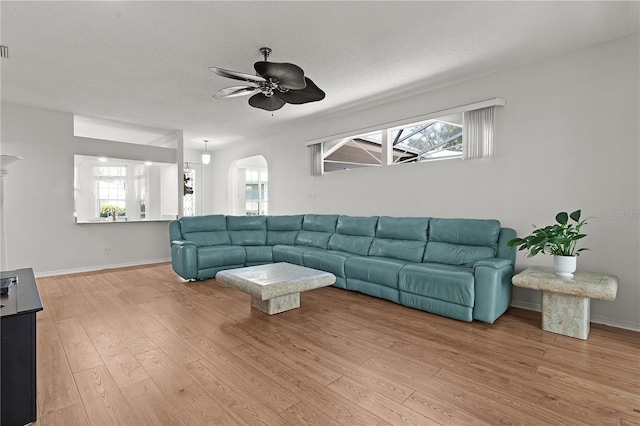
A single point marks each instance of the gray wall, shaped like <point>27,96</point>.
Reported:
<point>567,138</point>
<point>41,232</point>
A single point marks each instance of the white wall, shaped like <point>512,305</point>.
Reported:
<point>41,232</point>
<point>168,190</point>
<point>567,138</point>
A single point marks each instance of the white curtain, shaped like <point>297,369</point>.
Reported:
<point>477,139</point>
<point>316,160</point>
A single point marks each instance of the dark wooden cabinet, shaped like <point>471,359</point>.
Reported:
<point>18,351</point>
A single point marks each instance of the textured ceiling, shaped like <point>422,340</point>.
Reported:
<point>147,62</point>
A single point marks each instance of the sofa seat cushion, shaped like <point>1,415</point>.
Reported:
<point>379,270</point>
<point>326,260</point>
<point>453,284</point>
<point>217,256</point>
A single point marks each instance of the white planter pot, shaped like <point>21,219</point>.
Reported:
<point>564,266</point>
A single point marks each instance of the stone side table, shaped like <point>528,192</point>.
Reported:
<point>566,300</point>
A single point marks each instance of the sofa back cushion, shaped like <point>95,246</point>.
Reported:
<point>316,230</point>
<point>247,230</point>
<point>283,229</point>
<point>320,222</point>
<point>354,234</point>
<point>214,222</point>
<point>400,238</point>
<point>357,225</point>
<point>313,239</point>
<point>285,223</point>
<point>208,230</point>
<point>461,241</point>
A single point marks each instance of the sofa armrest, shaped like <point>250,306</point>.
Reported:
<point>184,259</point>
<point>492,278</point>
<point>495,263</point>
<point>174,230</point>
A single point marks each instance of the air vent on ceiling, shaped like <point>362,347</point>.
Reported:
<point>4,51</point>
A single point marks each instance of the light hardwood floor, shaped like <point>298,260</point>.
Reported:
<point>140,346</point>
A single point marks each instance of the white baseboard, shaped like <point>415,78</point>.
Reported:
<point>597,319</point>
<point>98,268</point>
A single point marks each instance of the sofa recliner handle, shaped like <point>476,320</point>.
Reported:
<point>183,243</point>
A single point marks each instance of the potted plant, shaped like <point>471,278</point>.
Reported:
<point>558,240</point>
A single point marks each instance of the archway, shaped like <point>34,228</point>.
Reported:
<point>248,186</point>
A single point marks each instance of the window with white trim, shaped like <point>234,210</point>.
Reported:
<point>353,152</point>
<point>431,140</point>
<point>112,190</point>
<point>256,190</point>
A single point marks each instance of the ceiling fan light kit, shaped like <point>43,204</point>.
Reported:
<point>277,84</point>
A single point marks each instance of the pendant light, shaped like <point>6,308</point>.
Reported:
<point>206,157</point>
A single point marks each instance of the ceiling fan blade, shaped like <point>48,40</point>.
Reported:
<point>311,93</point>
<point>235,91</point>
<point>237,75</point>
<point>269,103</point>
<point>289,76</point>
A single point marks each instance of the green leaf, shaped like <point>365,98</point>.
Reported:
<point>582,249</point>
<point>515,242</point>
<point>575,215</point>
<point>562,218</point>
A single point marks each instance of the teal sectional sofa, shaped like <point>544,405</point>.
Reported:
<point>458,268</point>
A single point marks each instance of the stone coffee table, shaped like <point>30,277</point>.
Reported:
<point>275,287</point>
<point>566,300</point>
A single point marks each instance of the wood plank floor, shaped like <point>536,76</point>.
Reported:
<point>138,346</point>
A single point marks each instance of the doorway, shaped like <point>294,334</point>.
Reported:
<point>249,186</point>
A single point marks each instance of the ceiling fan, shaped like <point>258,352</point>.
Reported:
<point>275,85</point>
